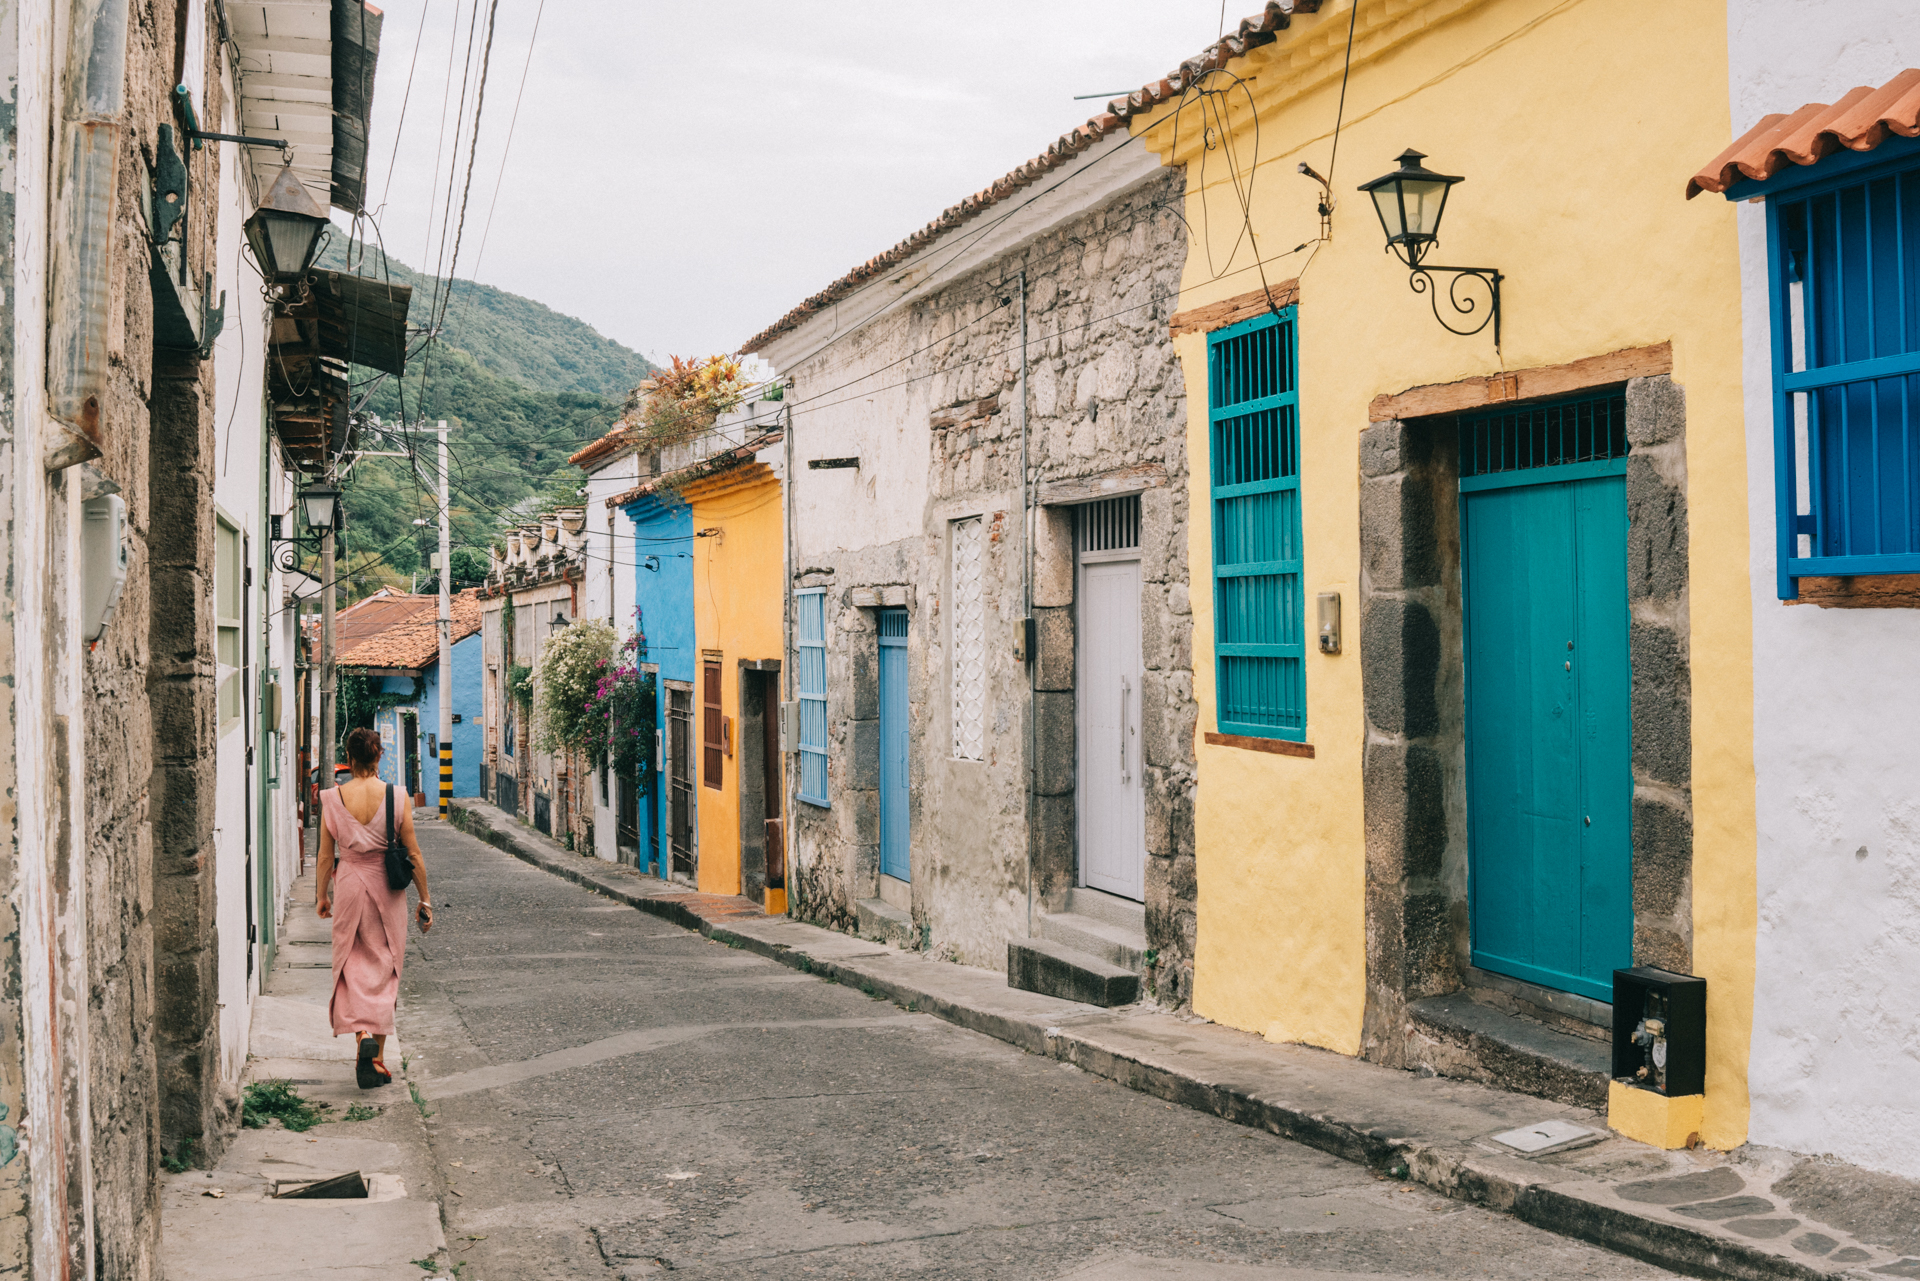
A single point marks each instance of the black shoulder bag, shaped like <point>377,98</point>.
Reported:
<point>399,863</point>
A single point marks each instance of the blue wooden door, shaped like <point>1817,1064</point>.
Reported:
<point>893,744</point>
<point>1549,778</point>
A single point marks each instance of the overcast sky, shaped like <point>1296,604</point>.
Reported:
<point>682,174</point>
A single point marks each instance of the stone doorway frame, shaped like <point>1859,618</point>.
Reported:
<point>1412,675</point>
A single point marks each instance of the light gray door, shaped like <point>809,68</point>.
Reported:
<point>1113,851</point>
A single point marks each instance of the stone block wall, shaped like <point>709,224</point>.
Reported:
<point>1105,395</point>
<point>1412,665</point>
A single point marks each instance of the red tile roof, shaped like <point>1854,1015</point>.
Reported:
<point>409,635</point>
<point>1860,121</point>
<point>607,444</point>
<point>1250,34</point>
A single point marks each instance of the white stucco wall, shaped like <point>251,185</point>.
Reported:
<point>607,593</point>
<point>1836,1038</point>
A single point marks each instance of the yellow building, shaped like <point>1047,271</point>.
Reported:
<point>739,552</point>
<point>1471,621</point>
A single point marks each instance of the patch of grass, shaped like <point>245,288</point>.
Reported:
<point>180,1160</point>
<point>425,1265</point>
<point>266,1101</point>
<point>806,964</point>
<point>361,1112</point>
<point>866,985</point>
<point>418,1102</point>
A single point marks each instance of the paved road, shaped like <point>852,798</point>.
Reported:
<point>614,1097</point>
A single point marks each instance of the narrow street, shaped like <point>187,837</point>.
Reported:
<point>615,1096</point>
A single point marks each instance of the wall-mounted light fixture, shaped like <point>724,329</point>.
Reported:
<point>285,230</point>
<point>321,506</point>
<point>559,620</point>
<point>1410,202</point>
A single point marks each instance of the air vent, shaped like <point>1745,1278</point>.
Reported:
<point>1111,525</point>
<point>1573,431</point>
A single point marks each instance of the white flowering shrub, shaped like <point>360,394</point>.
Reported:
<point>565,685</point>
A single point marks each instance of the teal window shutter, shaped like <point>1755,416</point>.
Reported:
<point>810,658</point>
<point>1259,608</point>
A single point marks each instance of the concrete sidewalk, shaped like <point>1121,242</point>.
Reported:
<point>1755,1213</point>
<point>224,1224</point>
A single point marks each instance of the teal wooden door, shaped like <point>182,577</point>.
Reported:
<point>895,844</point>
<point>1549,776</point>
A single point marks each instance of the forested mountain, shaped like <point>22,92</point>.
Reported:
<point>521,387</point>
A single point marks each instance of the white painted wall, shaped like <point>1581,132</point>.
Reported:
<point>1836,1038</point>
<point>239,432</point>
<point>608,594</point>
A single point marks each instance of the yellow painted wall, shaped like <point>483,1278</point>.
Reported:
<point>737,609</point>
<point>1576,123</point>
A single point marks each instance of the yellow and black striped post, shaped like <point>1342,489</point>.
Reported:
<point>446,776</point>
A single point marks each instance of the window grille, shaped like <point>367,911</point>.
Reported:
<point>1575,431</point>
<point>1111,525</point>
<point>713,729</point>
<point>1259,609</point>
<point>969,640</point>
<point>810,660</point>
<point>1845,265</point>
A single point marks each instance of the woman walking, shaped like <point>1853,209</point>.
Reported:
<point>369,917</point>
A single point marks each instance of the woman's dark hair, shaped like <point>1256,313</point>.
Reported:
<point>363,746</point>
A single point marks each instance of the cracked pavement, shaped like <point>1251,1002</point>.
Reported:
<point>614,1097</point>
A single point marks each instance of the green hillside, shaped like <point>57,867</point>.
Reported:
<point>521,387</point>
<point>514,337</point>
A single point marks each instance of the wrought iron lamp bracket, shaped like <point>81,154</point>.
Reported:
<point>1421,280</point>
<point>285,550</point>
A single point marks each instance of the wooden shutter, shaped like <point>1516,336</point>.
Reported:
<point>712,726</point>
<point>1259,607</point>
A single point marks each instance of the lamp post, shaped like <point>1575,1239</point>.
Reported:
<point>1410,202</point>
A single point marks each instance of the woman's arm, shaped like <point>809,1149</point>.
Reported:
<point>419,870</point>
<point>323,875</point>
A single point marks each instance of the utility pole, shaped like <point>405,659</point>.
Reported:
<point>326,647</point>
<point>446,637</point>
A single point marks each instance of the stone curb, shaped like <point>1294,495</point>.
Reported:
<point>1459,1171</point>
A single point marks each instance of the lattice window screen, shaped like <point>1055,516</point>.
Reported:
<point>969,641</point>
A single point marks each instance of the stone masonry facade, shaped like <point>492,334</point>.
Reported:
<point>1106,402</point>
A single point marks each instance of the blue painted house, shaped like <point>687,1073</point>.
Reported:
<point>663,594</point>
<point>402,653</point>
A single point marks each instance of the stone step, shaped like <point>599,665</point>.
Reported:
<point>1456,1036</point>
<point>1111,908</point>
<point>881,921</point>
<point>1118,945</point>
<point>1052,969</point>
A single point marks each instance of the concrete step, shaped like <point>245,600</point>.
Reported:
<point>1456,1036</point>
<point>1052,969</point>
<point>1111,908</point>
<point>880,920</point>
<point>1119,945</point>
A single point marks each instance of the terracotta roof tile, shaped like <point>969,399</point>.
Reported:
<point>706,466</point>
<point>611,443</point>
<point>1250,34</point>
<point>1861,121</point>
<point>410,637</point>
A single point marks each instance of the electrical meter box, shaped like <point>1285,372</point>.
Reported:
<point>103,559</point>
<point>1660,1031</point>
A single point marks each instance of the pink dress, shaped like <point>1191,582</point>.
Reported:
<point>369,920</point>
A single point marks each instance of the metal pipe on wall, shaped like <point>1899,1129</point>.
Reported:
<point>1026,594</point>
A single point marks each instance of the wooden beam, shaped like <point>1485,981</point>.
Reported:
<point>1112,484</point>
<point>1218,315</point>
<point>1544,383</point>
<point>1276,746</point>
<point>1862,591</point>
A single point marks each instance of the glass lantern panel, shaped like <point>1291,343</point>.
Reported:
<point>1386,201</point>
<point>1423,200</point>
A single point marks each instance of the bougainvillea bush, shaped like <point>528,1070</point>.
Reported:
<point>623,703</point>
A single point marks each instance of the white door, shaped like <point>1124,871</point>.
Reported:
<point>1113,849</point>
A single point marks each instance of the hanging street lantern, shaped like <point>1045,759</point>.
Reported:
<point>1410,202</point>
<point>285,230</point>
<point>322,504</point>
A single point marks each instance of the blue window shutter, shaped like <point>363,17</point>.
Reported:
<point>1259,608</point>
<point>810,657</point>
<point>1844,267</point>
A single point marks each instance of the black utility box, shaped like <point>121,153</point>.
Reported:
<point>1660,1031</point>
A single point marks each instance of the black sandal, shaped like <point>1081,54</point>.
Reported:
<point>368,1069</point>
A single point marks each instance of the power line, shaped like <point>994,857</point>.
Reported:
<point>512,123</point>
